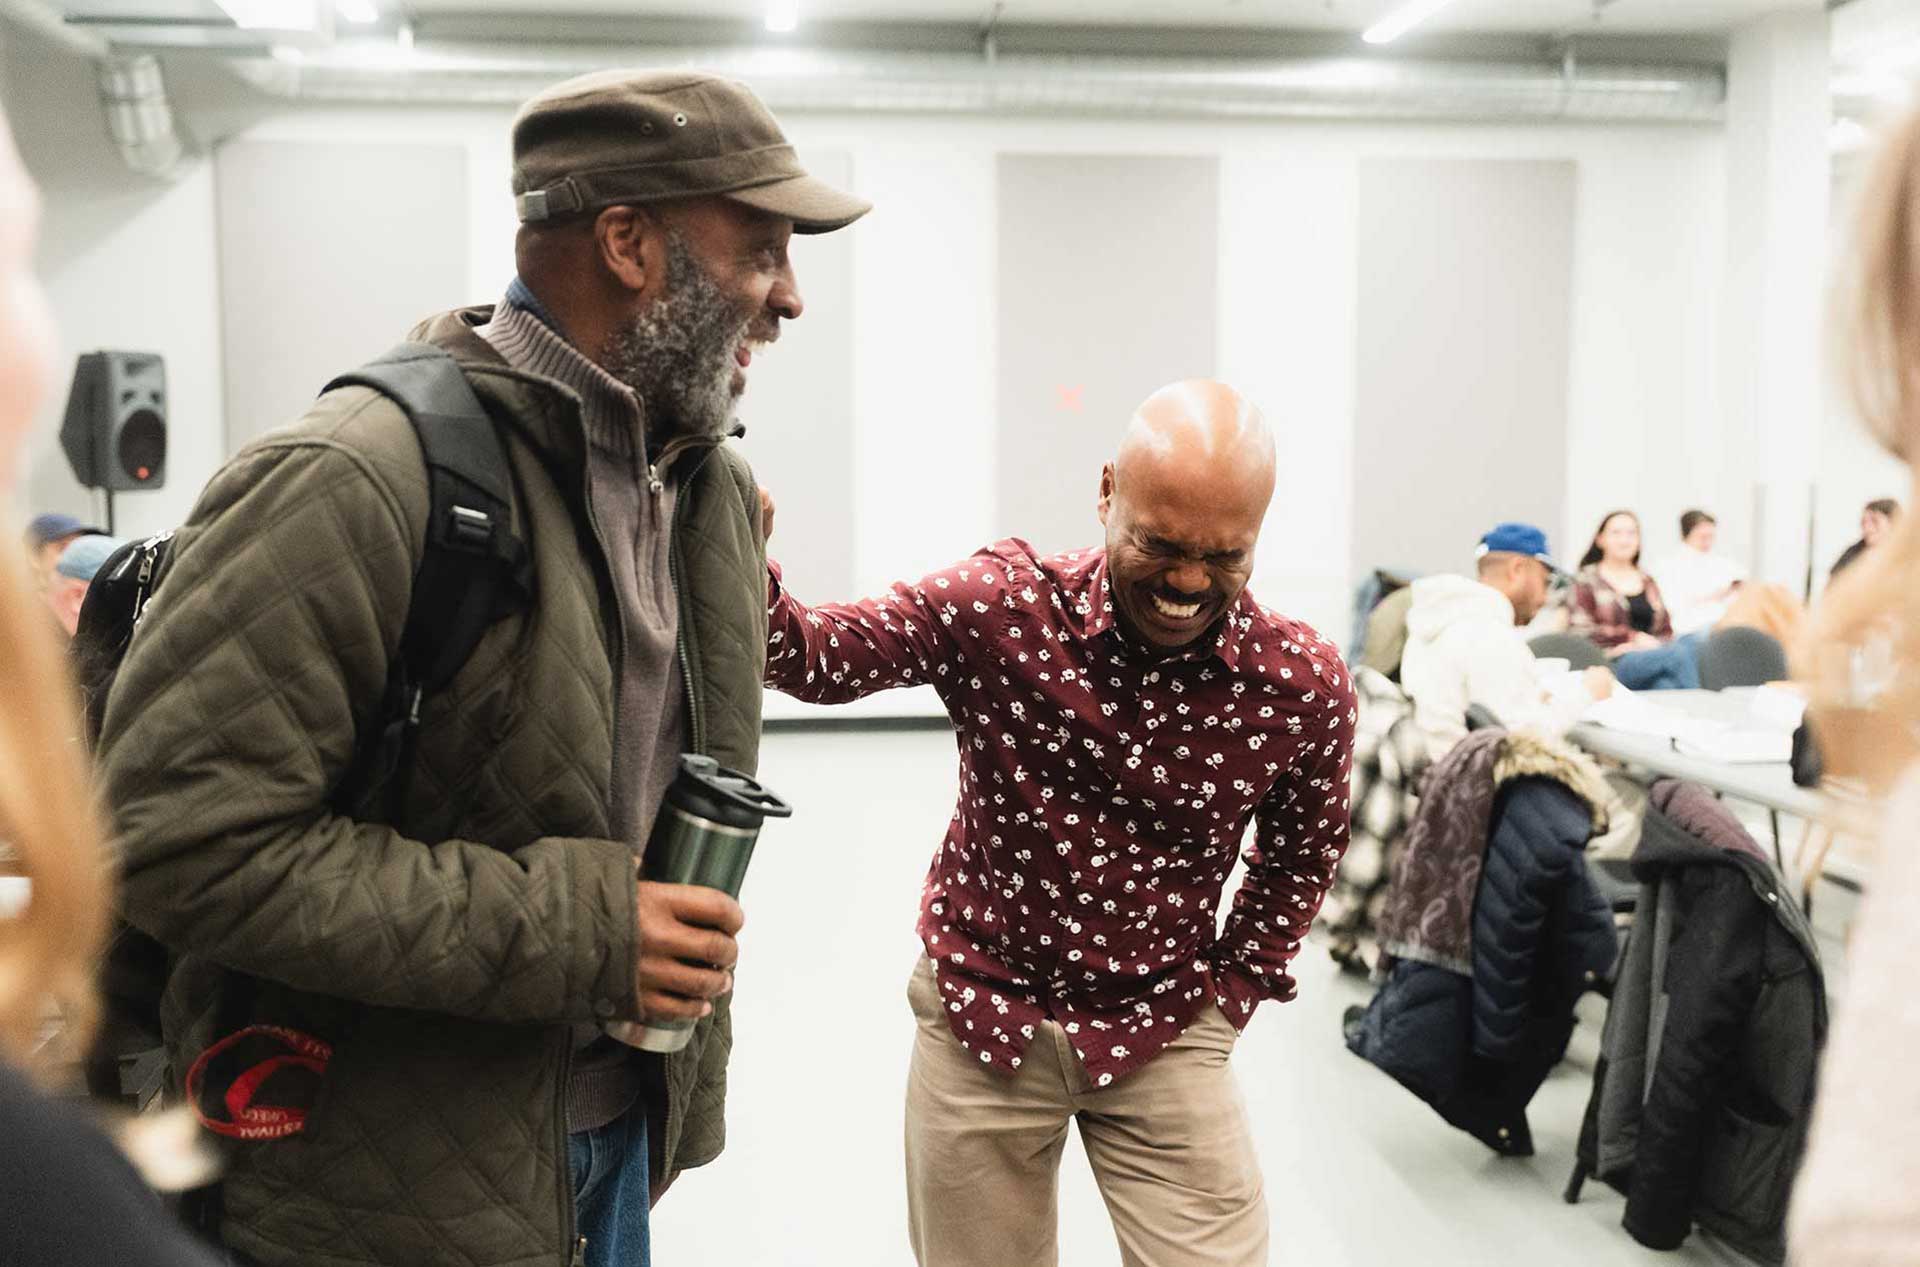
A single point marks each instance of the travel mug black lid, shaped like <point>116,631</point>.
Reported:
<point>712,791</point>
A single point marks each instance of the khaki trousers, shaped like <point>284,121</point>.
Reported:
<point>1168,1143</point>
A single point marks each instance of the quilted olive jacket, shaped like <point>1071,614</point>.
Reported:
<point>444,960</point>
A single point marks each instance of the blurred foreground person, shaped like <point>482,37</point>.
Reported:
<point>1123,714</point>
<point>1858,1202</point>
<point>67,1195</point>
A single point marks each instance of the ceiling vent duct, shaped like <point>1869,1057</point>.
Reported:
<point>133,95</point>
<point>888,81</point>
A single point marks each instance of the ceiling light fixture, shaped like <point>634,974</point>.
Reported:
<point>1402,20</point>
<point>363,12</point>
<point>272,15</point>
<point>783,15</point>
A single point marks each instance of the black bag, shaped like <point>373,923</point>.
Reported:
<point>474,572</point>
<point>1808,766</point>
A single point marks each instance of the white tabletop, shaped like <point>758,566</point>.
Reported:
<point>1768,784</point>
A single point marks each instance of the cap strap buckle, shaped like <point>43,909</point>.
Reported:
<point>543,204</point>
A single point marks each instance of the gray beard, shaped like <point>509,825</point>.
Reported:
<point>678,354</point>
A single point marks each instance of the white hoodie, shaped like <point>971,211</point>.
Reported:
<point>1463,648</point>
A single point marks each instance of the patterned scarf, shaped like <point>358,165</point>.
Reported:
<point>1429,915</point>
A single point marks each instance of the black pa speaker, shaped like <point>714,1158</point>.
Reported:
<point>115,434</point>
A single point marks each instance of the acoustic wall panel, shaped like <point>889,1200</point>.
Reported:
<point>798,411</point>
<point>1107,290</point>
<point>329,253</point>
<point>1465,280</point>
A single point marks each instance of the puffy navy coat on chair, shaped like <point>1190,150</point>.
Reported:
<point>1477,1047</point>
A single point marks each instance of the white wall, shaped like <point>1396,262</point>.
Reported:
<point>128,263</point>
<point>1646,268</point>
<point>132,264</point>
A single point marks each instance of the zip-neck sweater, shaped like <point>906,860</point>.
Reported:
<point>632,508</point>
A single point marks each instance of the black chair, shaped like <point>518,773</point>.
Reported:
<point>1578,652</point>
<point>1741,657</point>
<point>1480,717</point>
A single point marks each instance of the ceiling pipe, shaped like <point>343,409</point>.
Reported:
<point>863,81</point>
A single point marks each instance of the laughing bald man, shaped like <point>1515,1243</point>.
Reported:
<point>1123,715</point>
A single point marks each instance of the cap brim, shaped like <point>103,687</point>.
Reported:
<point>813,205</point>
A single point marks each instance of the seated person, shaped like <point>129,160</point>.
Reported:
<point>1386,639</point>
<point>1698,584</point>
<point>1619,607</point>
<point>1463,645</point>
<point>73,576</point>
<point>1876,521</point>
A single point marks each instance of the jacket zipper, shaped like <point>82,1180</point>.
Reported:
<point>696,719</point>
<point>570,1238</point>
<point>569,1228</point>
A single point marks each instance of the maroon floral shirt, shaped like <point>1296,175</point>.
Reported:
<point>1104,791</point>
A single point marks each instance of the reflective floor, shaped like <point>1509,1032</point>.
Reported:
<point>1358,1172</point>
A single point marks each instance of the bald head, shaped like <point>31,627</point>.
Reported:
<point>1204,426</point>
<point>1182,502</point>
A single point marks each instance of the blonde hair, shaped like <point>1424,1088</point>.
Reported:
<point>50,834</point>
<point>1863,655</point>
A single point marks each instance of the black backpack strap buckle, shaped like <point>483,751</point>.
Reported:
<point>474,570</point>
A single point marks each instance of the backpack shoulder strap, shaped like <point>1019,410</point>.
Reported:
<point>474,568</point>
<point>473,571</point>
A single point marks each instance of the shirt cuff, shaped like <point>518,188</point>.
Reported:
<point>1237,994</point>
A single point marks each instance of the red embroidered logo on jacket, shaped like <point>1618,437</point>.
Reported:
<point>258,1083</point>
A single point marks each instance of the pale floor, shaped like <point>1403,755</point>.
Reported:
<point>1358,1172</point>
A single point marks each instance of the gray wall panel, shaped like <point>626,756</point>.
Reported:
<point>1107,290</point>
<point>329,253</point>
<point>1465,280</point>
<point>799,411</point>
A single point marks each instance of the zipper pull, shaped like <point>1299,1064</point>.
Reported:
<point>413,707</point>
<point>653,480</point>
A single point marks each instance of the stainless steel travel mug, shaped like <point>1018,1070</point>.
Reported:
<point>704,835</point>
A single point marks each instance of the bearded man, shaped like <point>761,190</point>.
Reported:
<point>418,1000</point>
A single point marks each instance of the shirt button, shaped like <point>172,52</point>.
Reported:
<point>603,1008</point>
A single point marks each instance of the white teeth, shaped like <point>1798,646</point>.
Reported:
<point>1184,612</point>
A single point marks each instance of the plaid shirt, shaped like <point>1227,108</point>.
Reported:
<point>1103,794</point>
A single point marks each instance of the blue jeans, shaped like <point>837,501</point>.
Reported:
<point>1674,667</point>
<point>610,1190</point>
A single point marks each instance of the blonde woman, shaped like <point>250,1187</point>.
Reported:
<point>1858,1201</point>
<point>67,1195</point>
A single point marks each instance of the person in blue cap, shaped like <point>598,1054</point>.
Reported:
<point>48,535</point>
<point>1464,646</point>
<point>73,574</point>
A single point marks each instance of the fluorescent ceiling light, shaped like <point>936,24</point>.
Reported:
<point>783,15</point>
<point>272,15</point>
<point>364,12</point>
<point>1402,20</point>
